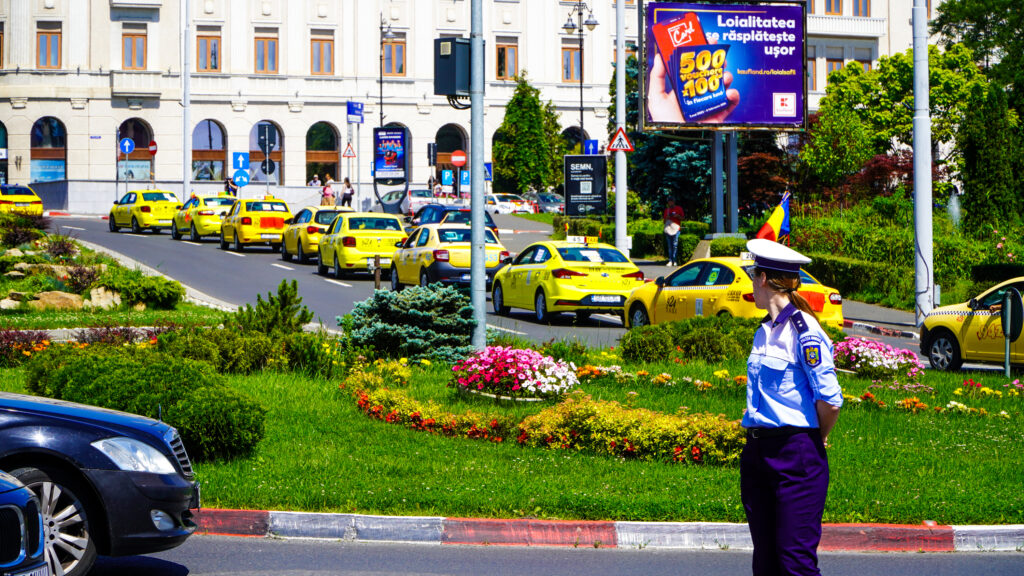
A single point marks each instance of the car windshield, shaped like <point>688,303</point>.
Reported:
<point>219,201</point>
<point>549,198</point>
<point>325,217</point>
<point>421,193</point>
<point>508,198</point>
<point>465,217</point>
<point>366,223</point>
<point>453,235</point>
<point>589,254</point>
<point>16,191</point>
<point>158,196</point>
<point>266,207</point>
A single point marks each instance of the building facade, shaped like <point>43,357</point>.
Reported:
<point>77,77</point>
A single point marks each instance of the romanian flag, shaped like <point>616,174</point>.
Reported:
<point>777,226</point>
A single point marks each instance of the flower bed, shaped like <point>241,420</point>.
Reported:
<point>514,372</point>
<point>878,361</point>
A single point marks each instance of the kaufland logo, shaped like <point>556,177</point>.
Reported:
<point>681,33</point>
<point>784,104</point>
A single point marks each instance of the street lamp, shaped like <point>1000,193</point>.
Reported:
<point>571,27</point>
<point>385,34</point>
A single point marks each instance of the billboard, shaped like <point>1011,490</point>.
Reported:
<point>585,178</point>
<point>389,155</point>
<point>725,66</point>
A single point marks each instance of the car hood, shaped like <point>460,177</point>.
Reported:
<point>111,420</point>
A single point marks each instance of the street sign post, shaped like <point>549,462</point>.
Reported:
<point>152,147</point>
<point>349,152</point>
<point>590,146</point>
<point>620,142</point>
<point>240,161</point>
<point>447,177</point>
<point>488,175</point>
<point>241,177</point>
<point>1012,320</point>
<point>459,158</point>
<point>126,146</point>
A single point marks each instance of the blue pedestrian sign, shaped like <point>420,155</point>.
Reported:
<point>447,178</point>
<point>488,175</point>
<point>464,178</point>
<point>590,146</point>
<point>355,112</point>
<point>240,161</point>
<point>241,177</point>
<point>126,146</point>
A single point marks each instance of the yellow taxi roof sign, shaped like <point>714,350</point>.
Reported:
<point>583,239</point>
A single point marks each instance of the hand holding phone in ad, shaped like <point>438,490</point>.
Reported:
<point>664,106</point>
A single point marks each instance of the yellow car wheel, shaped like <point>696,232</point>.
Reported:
<point>540,307</point>
<point>175,234</point>
<point>944,351</point>
<point>112,224</point>
<point>193,234</point>
<point>284,252</point>
<point>136,229</point>
<point>238,244</point>
<point>638,315</point>
<point>300,254</point>
<point>498,301</point>
<point>396,286</point>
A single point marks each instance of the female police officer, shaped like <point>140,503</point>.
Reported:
<point>793,400</point>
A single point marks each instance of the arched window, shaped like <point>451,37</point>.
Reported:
<point>139,164</point>
<point>322,153</point>
<point>49,150</point>
<point>209,151</point>
<point>449,138</point>
<point>574,138</point>
<point>272,171</point>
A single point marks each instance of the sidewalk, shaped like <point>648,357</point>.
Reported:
<point>596,534</point>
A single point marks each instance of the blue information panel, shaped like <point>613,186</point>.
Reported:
<point>355,112</point>
<point>590,146</point>
<point>488,175</point>
<point>242,176</point>
<point>447,178</point>
<point>240,161</point>
<point>126,146</point>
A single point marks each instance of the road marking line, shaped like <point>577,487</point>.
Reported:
<point>608,316</point>
<point>236,254</point>
<point>138,235</point>
<point>191,243</point>
<point>499,328</point>
<point>282,267</point>
<point>73,228</point>
<point>338,282</point>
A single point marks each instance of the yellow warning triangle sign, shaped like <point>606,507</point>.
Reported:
<point>349,152</point>
<point>620,142</point>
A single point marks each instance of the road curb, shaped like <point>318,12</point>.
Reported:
<point>596,534</point>
<point>881,330</point>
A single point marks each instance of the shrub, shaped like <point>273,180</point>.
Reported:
<point>572,351</point>
<point>7,262</point>
<point>582,423</point>
<point>15,343</point>
<point>685,246</point>
<point>277,315</point>
<point>728,247</point>
<point>32,221</point>
<point>134,287</point>
<point>708,344</point>
<point>61,247</point>
<point>320,355</point>
<point>996,272</point>
<point>878,361</point>
<point>80,278</point>
<point>16,235</point>
<point>646,344</point>
<point>434,322</point>
<point>514,372</point>
<point>191,343</point>
<point>241,353</point>
<point>109,334</point>
<point>213,420</point>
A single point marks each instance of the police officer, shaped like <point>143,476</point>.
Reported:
<point>793,401</point>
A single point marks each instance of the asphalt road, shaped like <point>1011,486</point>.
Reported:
<point>218,555</point>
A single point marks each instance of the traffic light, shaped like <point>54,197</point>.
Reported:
<point>431,154</point>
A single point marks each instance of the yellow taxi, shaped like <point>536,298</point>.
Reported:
<point>355,238</point>
<point>254,221</point>
<point>719,286</point>
<point>971,331</point>
<point>201,216</point>
<point>577,275</point>
<point>21,199</point>
<point>302,236</point>
<point>441,253</point>
<point>144,210</point>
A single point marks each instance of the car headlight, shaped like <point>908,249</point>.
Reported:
<point>134,456</point>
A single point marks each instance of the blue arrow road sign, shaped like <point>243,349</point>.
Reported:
<point>242,176</point>
<point>464,178</point>
<point>239,160</point>
<point>447,178</point>
<point>488,175</point>
<point>590,146</point>
<point>126,146</point>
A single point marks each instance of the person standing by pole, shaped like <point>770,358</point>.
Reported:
<point>347,192</point>
<point>673,218</point>
<point>793,401</point>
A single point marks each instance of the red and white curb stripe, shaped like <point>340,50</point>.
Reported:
<point>655,535</point>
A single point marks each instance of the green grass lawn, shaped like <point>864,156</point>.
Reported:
<point>544,217</point>
<point>184,314</point>
<point>322,454</point>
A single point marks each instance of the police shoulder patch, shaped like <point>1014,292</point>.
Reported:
<point>812,354</point>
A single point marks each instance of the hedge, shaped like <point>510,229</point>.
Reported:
<point>879,281</point>
<point>648,235</point>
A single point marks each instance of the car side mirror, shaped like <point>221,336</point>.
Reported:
<point>660,281</point>
<point>178,207</point>
<point>973,304</point>
<point>400,244</point>
<point>287,220</point>
<point>507,260</point>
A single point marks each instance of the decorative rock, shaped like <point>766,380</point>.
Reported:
<point>21,266</point>
<point>56,301</point>
<point>103,299</point>
<point>55,270</point>
<point>139,306</point>
<point>14,252</point>
<point>17,296</point>
<point>8,304</point>
<point>15,274</point>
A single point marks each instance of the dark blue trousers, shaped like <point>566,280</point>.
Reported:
<point>783,484</point>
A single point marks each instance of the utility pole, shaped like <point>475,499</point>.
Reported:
<point>924,279</point>
<point>186,100</point>
<point>621,238</point>
<point>478,256</point>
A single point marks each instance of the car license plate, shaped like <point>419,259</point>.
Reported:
<point>605,298</point>
<point>270,236</point>
<point>43,570</point>
<point>168,222</point>
<point>385,261</point>
<point>22,204</point>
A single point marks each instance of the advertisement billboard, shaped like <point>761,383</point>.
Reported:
<point>585,190</point>
<point>389,155</point>
<point>726,66</point>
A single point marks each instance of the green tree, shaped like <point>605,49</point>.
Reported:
<point>526,150</point>
<point>989,141</point>
<point>839,145</point>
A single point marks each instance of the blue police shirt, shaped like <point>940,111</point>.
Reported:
<point>790,367</point>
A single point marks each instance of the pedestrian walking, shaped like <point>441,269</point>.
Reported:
<point>327,192</point>
<point>347,192</point>
<point>793,401</point>
<point>230,188</point>
<point>673,218</point>
<point>315,181</point>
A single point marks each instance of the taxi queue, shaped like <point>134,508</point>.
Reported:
<point>579,275</point>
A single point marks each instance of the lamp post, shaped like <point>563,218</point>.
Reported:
<point>571,27</point>
<point>385,34</point>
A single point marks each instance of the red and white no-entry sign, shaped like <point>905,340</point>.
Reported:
<point>152,147</point>
<point>459,158</point>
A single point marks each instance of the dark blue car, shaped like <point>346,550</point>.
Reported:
<point>108,482</point>
<point>451,214</point>
<point>21,530</point>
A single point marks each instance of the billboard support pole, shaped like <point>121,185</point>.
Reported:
<point>732,194</point>
<point>716,187</point>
